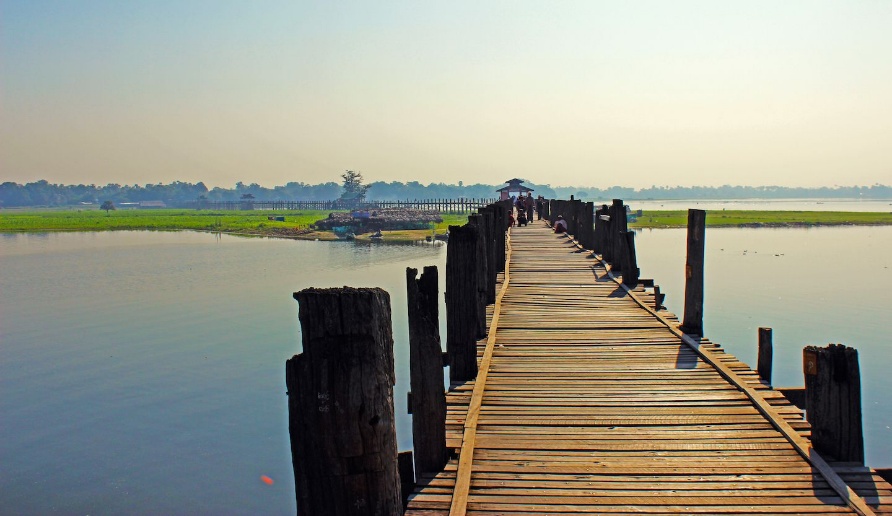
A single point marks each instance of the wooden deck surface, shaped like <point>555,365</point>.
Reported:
<point>589,403</point>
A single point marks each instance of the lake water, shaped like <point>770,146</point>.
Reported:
<point>143,372</point>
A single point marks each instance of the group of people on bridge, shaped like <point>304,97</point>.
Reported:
<point>525,207</point>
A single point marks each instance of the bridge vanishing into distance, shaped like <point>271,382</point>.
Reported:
<point>584,395</point>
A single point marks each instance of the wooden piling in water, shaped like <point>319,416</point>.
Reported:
<point>573,221</point>
<point>766,352</point>
<point>602,222</point>
<point>461,302</point>
<point>480,263</point>
<point>340,404</point>
<point>693,288</point>
<point>833,401</point>
<point>489,238</point>
<point>630,260</point>
<point>587,225</point>
<point>426,372</point>
<point>616,238</point>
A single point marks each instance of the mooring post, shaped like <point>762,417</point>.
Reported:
<point>833,401</point>
<point>461,302</point>
<point>340,404</point>
<point>426,372</point>
<point>693,287</point>
<point>766,353</point>
<point>658,298</point>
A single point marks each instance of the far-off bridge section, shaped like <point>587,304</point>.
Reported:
<point>571,390</point>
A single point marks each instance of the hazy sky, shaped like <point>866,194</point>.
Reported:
<point>587,93</point>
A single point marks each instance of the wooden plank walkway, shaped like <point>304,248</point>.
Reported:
<point>587,402</point>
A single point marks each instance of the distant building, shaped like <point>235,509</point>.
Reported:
<point>514,188</point>
<point>151,205</point>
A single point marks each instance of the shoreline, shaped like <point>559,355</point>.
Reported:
<point>297,224</point>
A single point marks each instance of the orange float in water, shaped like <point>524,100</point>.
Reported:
<point>267,480</point>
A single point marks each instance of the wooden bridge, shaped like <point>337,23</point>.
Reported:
<point>572,390</point>
<point>587,400</point>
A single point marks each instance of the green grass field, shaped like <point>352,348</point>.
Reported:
<point>730,218</point>
<point>297,223</point>
<point>245,222</point>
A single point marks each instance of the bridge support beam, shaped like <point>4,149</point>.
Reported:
<point>480,262</point>
<point>428,407</point>
<point>461,302</point>
<point>340,404</point>
<point>630,260</point>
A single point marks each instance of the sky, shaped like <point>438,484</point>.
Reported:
<point>567,93</point>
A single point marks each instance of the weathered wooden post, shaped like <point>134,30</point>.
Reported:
<point>833,401</point>
<point>587,222</point>
<point>502,209</point>
<point>407,477</point>
<point>573,220</point>
<point>489,238</point>
<point>693,287</point>
<point>602,218</point>
<point>340,404</point>
<point>461,302</point>
<point>616,238</point>
<point>766,352</point>
<point>480,262</point>
<point>630,260</point>
<point>428,406</point>
<point>658,298</point>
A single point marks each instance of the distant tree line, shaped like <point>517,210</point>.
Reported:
<point>43,193</point>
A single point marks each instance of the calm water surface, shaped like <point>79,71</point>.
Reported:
<point>143,372</point>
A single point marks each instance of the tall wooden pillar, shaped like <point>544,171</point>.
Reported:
<point>461,302</point>
<point>693,287</point>
<point>765,356</point>
<point>482,272</point>
<point>489,237</point>
<point>630,260</point>
<point>340,404</point>
<point>426,372</point>
<point>587,223</point>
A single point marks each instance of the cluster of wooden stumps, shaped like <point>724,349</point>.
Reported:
<point>340,389</point>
